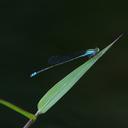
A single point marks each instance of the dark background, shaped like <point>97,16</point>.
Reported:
<point>33,31</point>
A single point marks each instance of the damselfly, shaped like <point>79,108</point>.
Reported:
<point>88,53</point>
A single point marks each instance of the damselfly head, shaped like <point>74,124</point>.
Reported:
<point>91,52</point>
<point>97,49</point>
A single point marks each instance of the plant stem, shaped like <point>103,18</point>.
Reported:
<point>30,122</point>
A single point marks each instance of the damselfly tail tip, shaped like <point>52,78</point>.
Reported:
<point>33,74</point>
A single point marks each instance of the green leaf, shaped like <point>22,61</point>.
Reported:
<point>64,85</point>
<point>17,109</point>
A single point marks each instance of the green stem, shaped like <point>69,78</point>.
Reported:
<point>30,122</point>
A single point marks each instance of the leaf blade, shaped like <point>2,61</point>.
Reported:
<point>64,85</point>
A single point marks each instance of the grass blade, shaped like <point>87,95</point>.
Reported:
<point>17,109</point>
<point>64,85</point>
